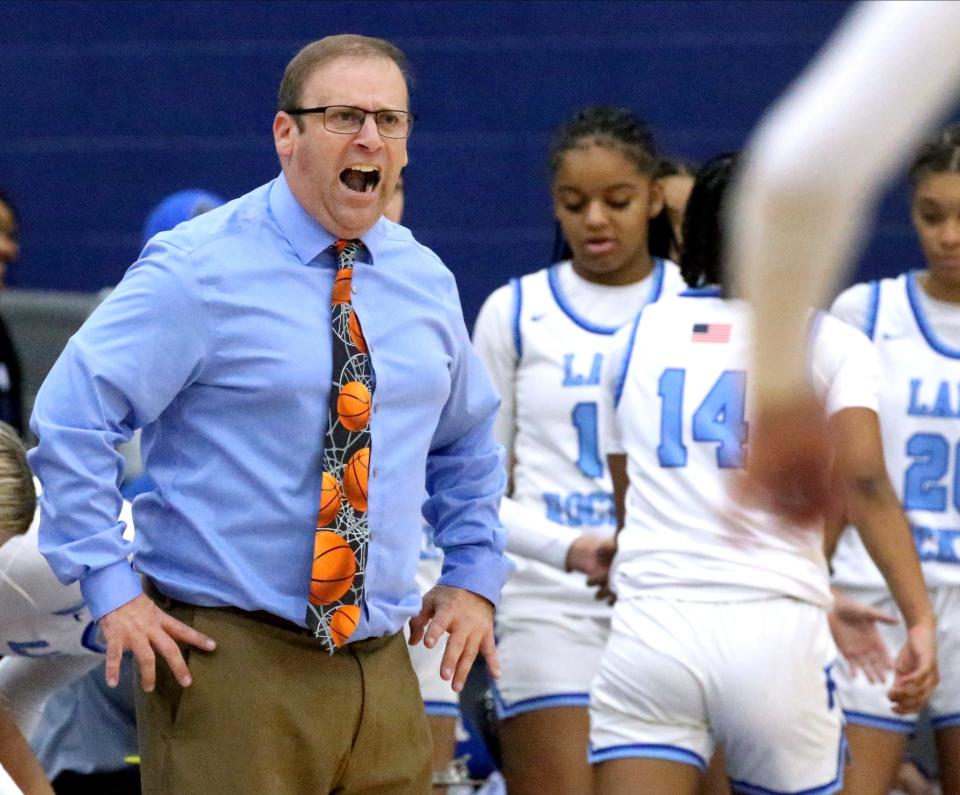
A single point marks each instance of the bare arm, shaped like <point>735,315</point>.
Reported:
<point>872,506</point>
<point>852,623</point>
<point>617,462</point>
<point>811,176</point>
<point>18,760</point>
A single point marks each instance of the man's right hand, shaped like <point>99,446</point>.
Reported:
<point>142,627</point>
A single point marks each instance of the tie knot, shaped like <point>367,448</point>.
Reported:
<point>347,251</point>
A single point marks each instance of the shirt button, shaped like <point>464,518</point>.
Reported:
<point>375,472</point>
<point>376,407</point>
<point>353,289</point>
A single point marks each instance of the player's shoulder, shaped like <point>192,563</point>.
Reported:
<point>859,304</point>
<point>692,301</point>
<point>508,300</point>
<point>673,282</point>
<point>836,337</point>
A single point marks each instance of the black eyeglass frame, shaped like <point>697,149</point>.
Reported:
<point>322,110</point>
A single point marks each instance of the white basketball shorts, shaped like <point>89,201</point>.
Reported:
<point>866,704</point>
<point>547,661</point>
<point>680,678</point>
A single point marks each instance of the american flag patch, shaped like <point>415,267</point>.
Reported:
<point>711,332</point>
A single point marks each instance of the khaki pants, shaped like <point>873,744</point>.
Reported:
<point>270,712</point>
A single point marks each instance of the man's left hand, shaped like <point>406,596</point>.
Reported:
<point>468,619</point>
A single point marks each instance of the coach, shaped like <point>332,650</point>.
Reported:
<point>285,523</point>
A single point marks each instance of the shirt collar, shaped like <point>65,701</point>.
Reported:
<point>308,238</point>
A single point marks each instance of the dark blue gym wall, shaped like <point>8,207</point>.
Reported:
<point>105,107</point>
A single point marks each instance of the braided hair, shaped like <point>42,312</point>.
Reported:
<point>617,128</point>
<point>939,154</point>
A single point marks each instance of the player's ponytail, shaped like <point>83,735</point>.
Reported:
<point>701,263</point>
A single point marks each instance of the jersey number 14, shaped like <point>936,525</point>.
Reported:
<point>720,419</point>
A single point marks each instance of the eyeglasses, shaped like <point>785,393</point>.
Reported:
<point>346,120</point>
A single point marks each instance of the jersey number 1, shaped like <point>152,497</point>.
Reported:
<point>720,418</point>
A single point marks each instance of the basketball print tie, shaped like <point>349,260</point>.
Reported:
<point>340,542</point>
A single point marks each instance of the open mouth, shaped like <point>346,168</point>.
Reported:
<point>600,245</point>
<point>362,179</point>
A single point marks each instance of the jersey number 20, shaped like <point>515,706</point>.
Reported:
<point>923,489</point>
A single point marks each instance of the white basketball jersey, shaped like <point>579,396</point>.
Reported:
<point>558,469</point>
<point>679,411</point>
<point>39,616</point>
<point>920,421</point>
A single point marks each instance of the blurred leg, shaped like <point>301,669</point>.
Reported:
<point>875,757</point>
<point>715,782</point>
<point>649,776</point>
<point>948,759</point>
<point>546,751</point>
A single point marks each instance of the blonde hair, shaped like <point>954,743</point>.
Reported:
<point>18,497</point>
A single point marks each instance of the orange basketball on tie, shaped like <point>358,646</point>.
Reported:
<point>343,623</point>
<point>330,494</point>
<point>355,479</point>
<point>341,286</point>
<point>353,406</point>
<point>356,333</point>
<point>334,566</point>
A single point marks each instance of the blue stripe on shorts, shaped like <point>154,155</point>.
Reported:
<point>505,710</point>
<point>743,788</point>
<point>671,753</point>
<point>877,722</point>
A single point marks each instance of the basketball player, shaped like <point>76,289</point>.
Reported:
<point>814,170</point>
<point>17,509</point>
<point>543,338</point>
<point>720,634</point>
<point>914,321</point>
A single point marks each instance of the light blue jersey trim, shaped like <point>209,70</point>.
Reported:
<point>505,710</point>
<point>877,722</point>
<point>913,297</point>
<point>517,308</point>
<point>743,788</point>
<point>625,364</point>
<point>945,721</point>
<point>671,753</point>
<point>657,289</point>
<point>873,309</point>
<point>554,281</point>
<point>442,709</point>
<point>707,291</point>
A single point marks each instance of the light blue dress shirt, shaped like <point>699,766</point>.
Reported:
<point>217,344</point>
